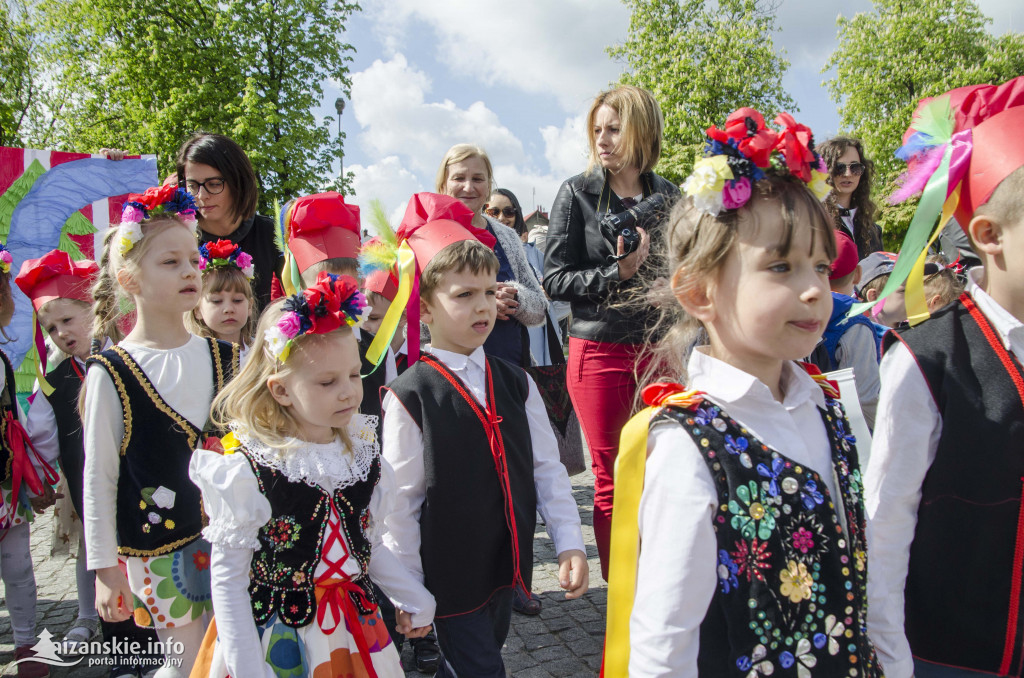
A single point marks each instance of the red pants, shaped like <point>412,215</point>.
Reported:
<point>602,384</point>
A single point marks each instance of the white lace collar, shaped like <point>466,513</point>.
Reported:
<point>326,465</point>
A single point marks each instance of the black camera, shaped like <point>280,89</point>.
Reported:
<point>644,214</point>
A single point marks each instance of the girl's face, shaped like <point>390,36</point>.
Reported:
<point>469,182</point>
<point>224,312</point>
<point>69,324</point>
<point>211,192</point>
<point>847,182</point>
<point>501,203</point>
<point>168,279</point>
<point>323,389</point>
<point>607,132</point>
<point>767,307</point>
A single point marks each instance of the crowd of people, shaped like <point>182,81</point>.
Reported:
<point>289,463</point>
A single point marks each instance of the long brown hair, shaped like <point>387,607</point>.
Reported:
<point>864,219</point>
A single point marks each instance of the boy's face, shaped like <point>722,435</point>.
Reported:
<point>68,324</point>
<point>894,308</point>
<point>461,310</point>
<point>378,309</point>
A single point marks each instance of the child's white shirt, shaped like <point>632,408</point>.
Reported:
<point>676,576</point>
<point>403,448</point>
<point>906,438</point>
<point>183,377</point>
<point>238,510</point>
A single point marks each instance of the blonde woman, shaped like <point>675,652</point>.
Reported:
<point>591,268</point>
<point>465,174</point>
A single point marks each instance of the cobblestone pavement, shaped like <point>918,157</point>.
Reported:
<point>564,640</point>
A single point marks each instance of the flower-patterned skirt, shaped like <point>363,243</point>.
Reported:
<point>308,652</point>
<point>12,511</point>
<point>171,590</point>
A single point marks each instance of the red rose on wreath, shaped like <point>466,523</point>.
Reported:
<point>157,195</point>
<point>795,144</point>
<point>754,140</point>
<point>324,304</point>
<point>221,249</point>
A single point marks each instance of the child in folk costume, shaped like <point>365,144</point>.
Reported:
<point>943,487</point>
<point>59,289</point>
<point>227,309</point>
<point>323,235</point>
<point>26,480</point>
<point>738,529</point>
<point>469,439</point>
<point>297,502</point>
<point>146,407</point>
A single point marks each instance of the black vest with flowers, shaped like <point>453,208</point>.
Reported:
<point>791,597</point>
<point>159,509</point>
<point>291,543</point>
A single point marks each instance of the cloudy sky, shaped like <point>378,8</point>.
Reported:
<point>517,78</point>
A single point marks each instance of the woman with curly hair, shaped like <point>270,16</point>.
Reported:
<point>851,175</point>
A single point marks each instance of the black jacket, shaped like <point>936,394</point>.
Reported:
<point>577,260</point>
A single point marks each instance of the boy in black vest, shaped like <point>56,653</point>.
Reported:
<point>473,453</point>
<point>943,487</point>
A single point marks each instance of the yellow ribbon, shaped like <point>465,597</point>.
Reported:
<point>917,304</point>
<point>389,325</point>
<point>625,537</point>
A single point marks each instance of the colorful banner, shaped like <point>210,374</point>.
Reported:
<point>53,199</point>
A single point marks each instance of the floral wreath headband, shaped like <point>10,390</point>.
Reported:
<point>5,259</point>
<point>225,254</point>
<point>156,200</point>
<point>736,157</point>
<point>329,303</point>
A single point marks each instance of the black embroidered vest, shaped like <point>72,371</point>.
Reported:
<point>67,384</point>
<point>964,593</point>
<point>158,508</point>
<point>466,545</point>
<point>791,582</point>
<point>291,543</point>
<point>8,403</point>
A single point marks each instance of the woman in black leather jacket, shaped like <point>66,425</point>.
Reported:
<point>587,265</point>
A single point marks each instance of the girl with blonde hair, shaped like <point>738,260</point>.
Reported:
<point>145,407</point>
<point>297,502</point>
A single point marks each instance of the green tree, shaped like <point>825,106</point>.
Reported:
<point>702,61</point>
<point>903,50</point>
<point>144,74</point>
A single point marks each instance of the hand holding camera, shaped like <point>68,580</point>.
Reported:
<point>630,227</point>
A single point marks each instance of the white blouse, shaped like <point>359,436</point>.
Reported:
<point>237,511</point>
<point>183,377</point>
<point>676,575</point>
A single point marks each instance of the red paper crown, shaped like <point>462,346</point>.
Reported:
<point>433,221</point>
<point>56,276</point>
<point>322,227</point>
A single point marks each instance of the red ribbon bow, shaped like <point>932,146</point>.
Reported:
<point>333,594</point>
<point>21,462</point>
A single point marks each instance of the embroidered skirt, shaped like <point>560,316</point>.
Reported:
<point>173,589</point>
<point>308,652</point>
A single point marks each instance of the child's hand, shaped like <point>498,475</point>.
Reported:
<point>573,573</point>
<point>403,624</point>
<point>112,594</point>
<point>45,500</point>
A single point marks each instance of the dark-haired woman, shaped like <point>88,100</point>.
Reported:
<point>217,172</point>
<point>851,174</point>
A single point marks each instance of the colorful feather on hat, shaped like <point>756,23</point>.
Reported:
<point>381,252</point>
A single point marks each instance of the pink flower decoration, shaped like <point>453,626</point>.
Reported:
<point>736,193</point>
<point>202,264</point>
<point>243,260</point>
<point>290,324</point>
<point>132,214</point>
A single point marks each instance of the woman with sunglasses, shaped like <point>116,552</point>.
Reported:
<point>591,267</point>
<point>218,174</point>
<point>465,174</point>
<point>851,175</point>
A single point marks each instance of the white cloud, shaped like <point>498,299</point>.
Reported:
<point>388,182</point>
<point>537,46</point>
<point>565,147</point>
<point>389,101</point>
